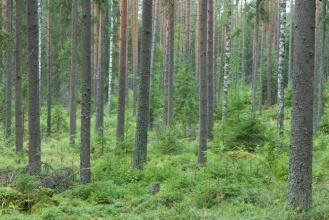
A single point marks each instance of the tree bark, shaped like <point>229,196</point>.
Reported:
<point>6,27</point>
<point>123,73</point>
<point>18,83</point>
<point>282,22</point>
<point>134,50</point>
<point>99,77</point>
<point>86,93</point>
<point>300,161</point>
<point>203,90</point>
<point>34,105</point>
<point>270,55</point>
<point>211,107</point>
<point>73,80</point>
<point>110,70</point>
<point>49,70</point>
<point>140,154</point>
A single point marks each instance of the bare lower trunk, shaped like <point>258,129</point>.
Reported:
<point>85,176</point>
<point>210,68</point>
<point>18,84</point>
<point>34,106</point>
<point>300,161</point>
<point>110,57</point>
<point>49,70</point>
<point>203,91</point>
<point>140,154</point>
<point>73,80</point>
<point>280,117</point>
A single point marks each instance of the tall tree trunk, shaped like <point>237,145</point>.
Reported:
<point>34,105</point>
<point>49,70</point>
<point>280,117</point>
<point>153,51</point>
<point>170,61</point>
<point>300,162</point>
<point>197,40</point>
<point>140,153</point>
<point>6,27</point>
<point>40,44</point>
<point>73,80</point>
<point>227,57</point>
<point>134,50</point>
<point>255,59</point>
<point>270,55</point>
<point>210,68</point>
<point>123,73</point>
<point>322,61</point>
<point>99,77</point>
<point>86,93</point>
<point>203,90</point>
<point>188,30</point>
<point>110,70</point>
<point>18,83</point>
<point>291,39</point>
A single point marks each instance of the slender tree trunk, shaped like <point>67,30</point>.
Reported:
<point>153,51</point>
<point>140,154</point>
<point>227,57</point>
<point>170,61</point>
<point>300,162</point>
<point>99,77</point>
<point>34,105</point>
<point>40,44</point>
<point>18,83</point>
<point>49,70</point>
<point>110,20</point>
<point>85,176</point>
<point>197,40</point>
<point>210,68</point>
<point>280,117</point>
<point>291,39</point>
<point>203,90</point>
<point>6,27</point>
<point>322,60</point>
<point>123,73</point>
<point>73,80</point>
<point>255,59</point>
<point>134,50</point>
<point>270,55</point>
<point>188,30</point>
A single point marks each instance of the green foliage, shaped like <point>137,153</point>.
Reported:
<point>168,140</point>
<point>25,183</point>
<point>186,101</point>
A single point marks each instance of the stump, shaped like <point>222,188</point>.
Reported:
<point>154,188</point>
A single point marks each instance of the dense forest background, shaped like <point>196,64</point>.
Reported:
<point>164,109</point>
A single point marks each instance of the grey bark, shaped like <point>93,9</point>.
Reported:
<point>6,27</point>
<point>203,90</point>
<point>140,154</point>
<point>73,79</point>
<point>49,70</point>
<point>18,83</point>
<point>211,107</point>
<point>300,161</point>
<point>34,105</point>
<point>86,93</point>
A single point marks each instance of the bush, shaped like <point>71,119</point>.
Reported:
<point>168,140</point>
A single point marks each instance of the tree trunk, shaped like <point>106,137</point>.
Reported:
<point>255,59</point>
<point>6,27</point>
<point>73,80</point>
<point>170,61</point>
<point>280,117</point>
<point>18,83</point>
<point>211,108</point>
<point>134,50</point>
<point>123,73</point>
<point>86,93</point>
<point>99,77</point>
<point>270,55</point>
<point>140,153</point>
<point>34,105</point>
<point>110,56</point>
<point>300,162</point>
<point>227,57</point>
<point>49,70</point>
<point>203,90</point>
<point>40,44</point>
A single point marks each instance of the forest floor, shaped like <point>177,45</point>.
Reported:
<point>246,182</point>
